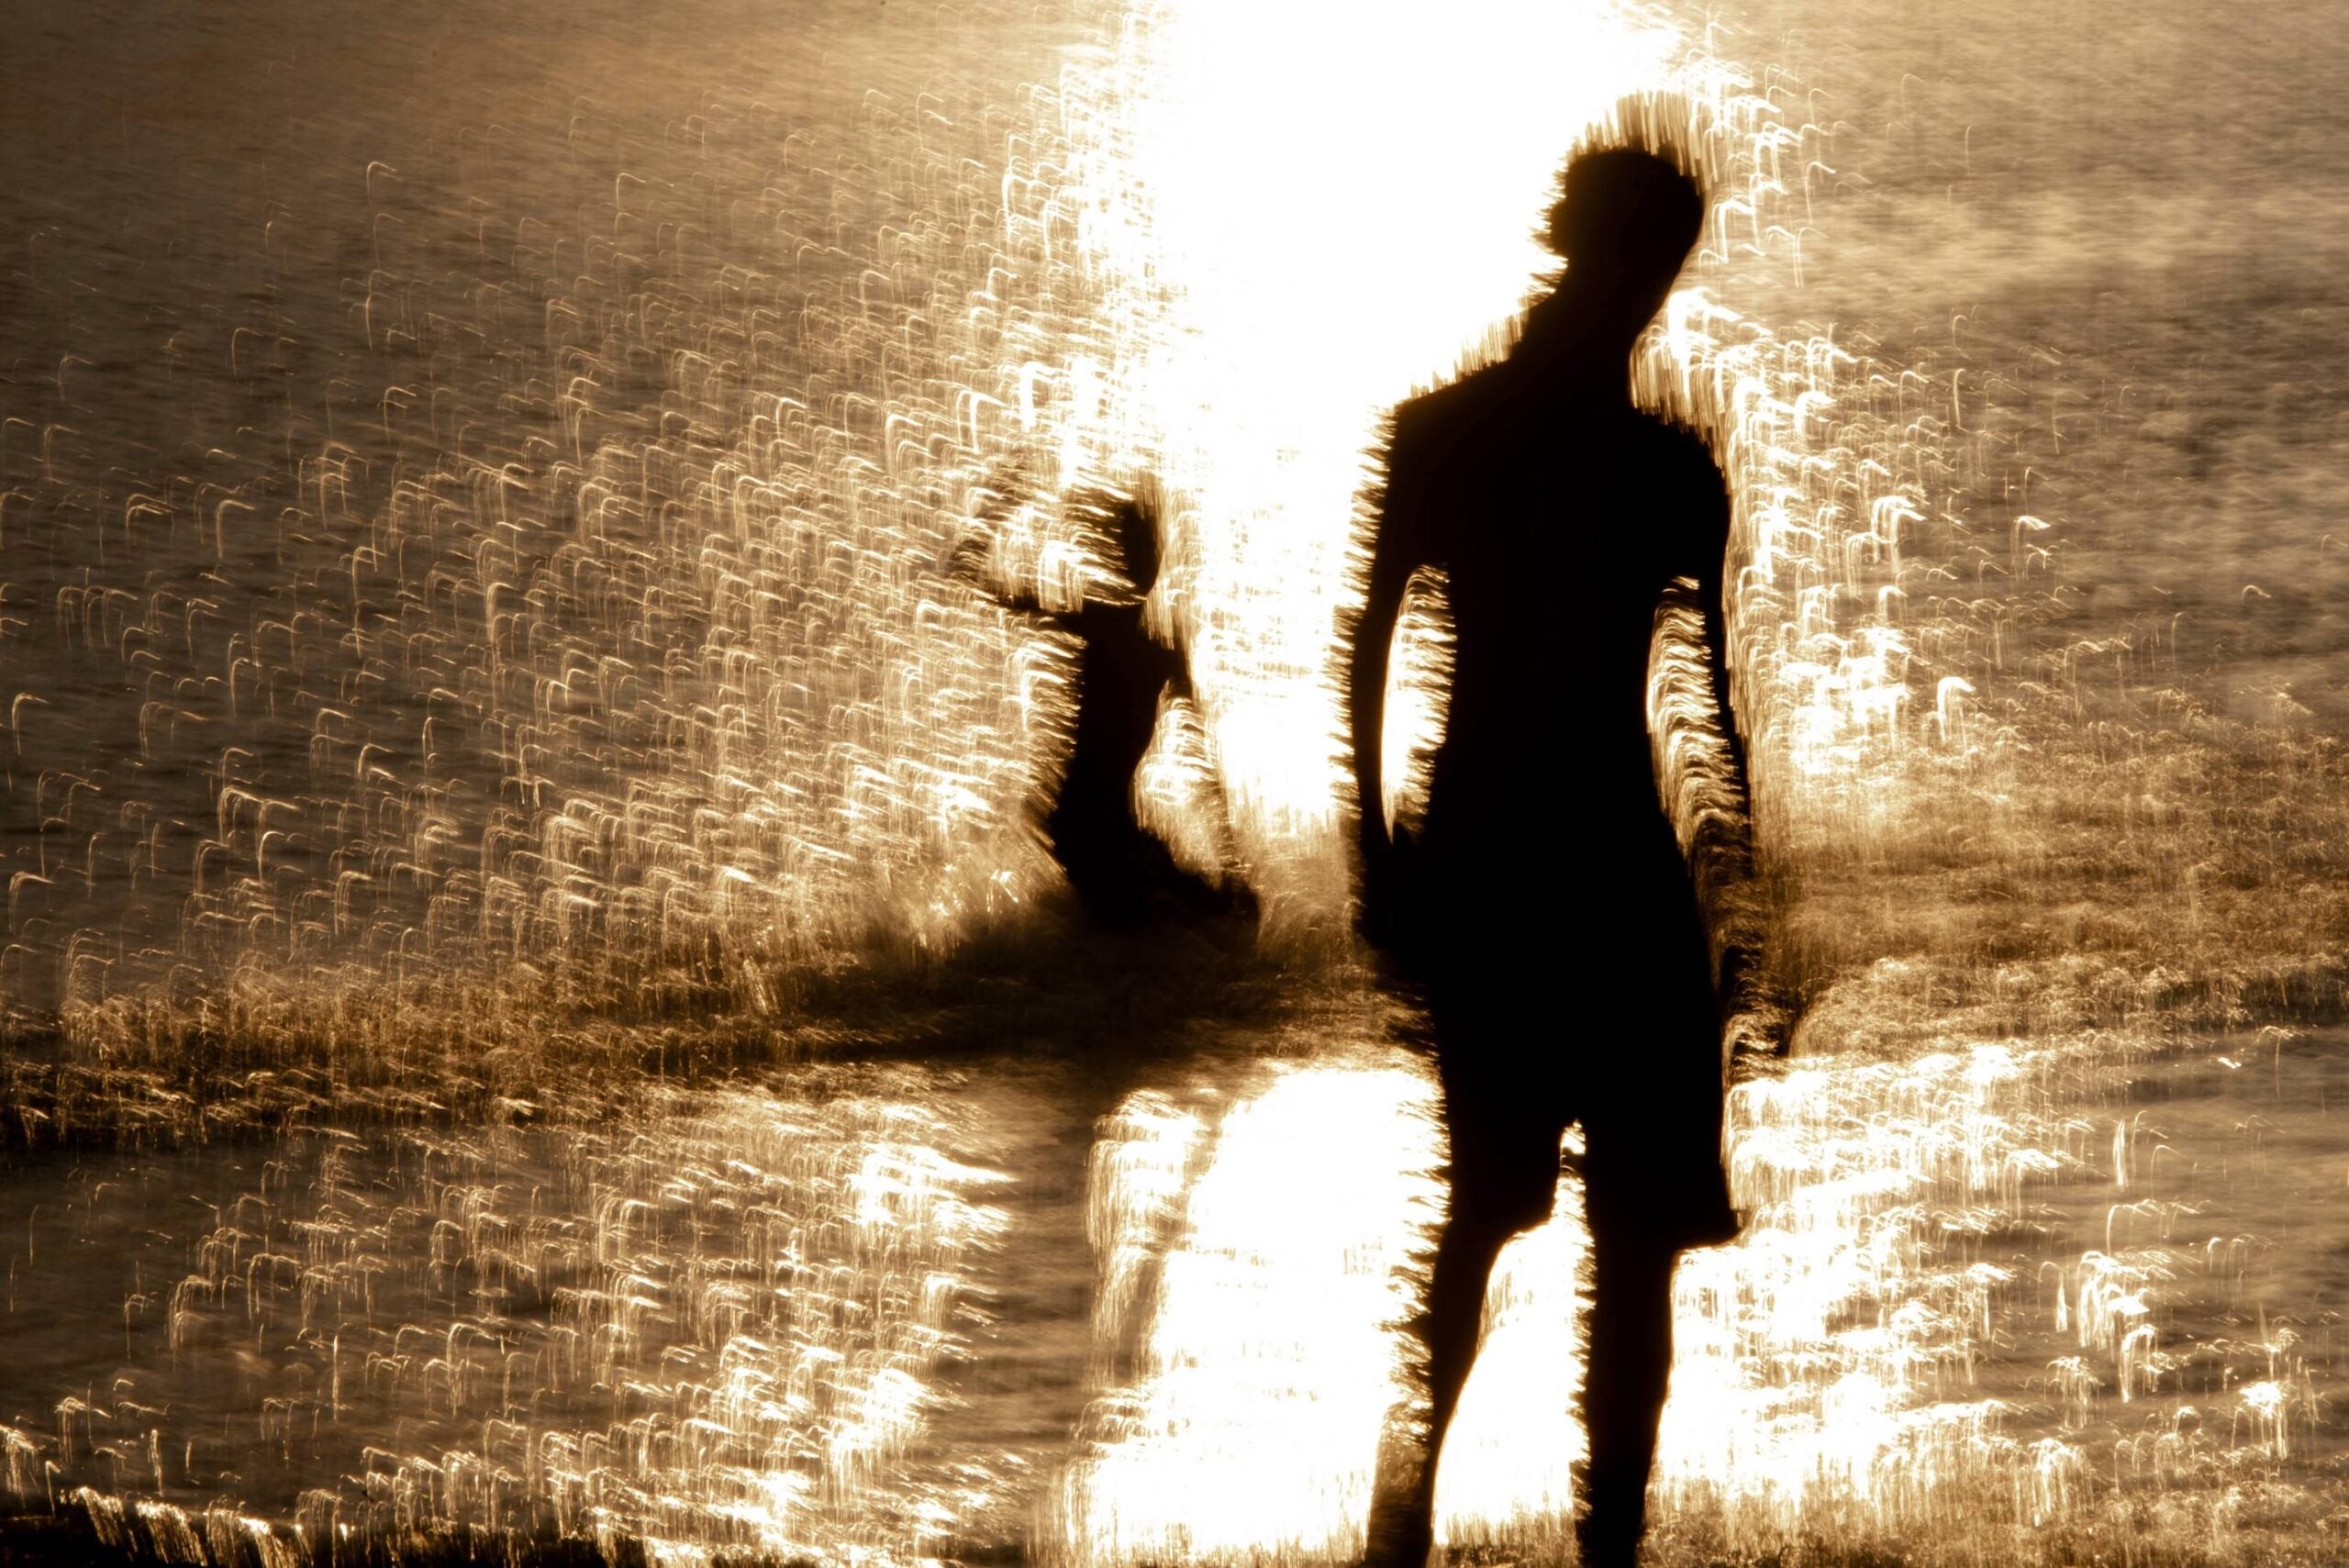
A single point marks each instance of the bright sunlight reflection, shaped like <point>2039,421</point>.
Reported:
<point>1280,271</point>
<point>1251,1417</point>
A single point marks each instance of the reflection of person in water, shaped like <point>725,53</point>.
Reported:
<point>1542,903</point>
<point>1122,872</point>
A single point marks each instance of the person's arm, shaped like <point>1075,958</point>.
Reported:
<point>1752,1007</point>
<point>967,562</point>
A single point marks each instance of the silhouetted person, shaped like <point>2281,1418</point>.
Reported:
<point>1542,903</point>
<point>1123,874</point>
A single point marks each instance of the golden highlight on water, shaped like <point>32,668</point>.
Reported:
<point>539,1014</point>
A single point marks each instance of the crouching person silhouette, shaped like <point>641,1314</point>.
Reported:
<point>1122,874</point>
<point>1542,906</point>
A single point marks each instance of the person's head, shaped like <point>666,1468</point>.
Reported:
<point>1136,528</point>
<point>1123,532</point>
<point>1625,222</point>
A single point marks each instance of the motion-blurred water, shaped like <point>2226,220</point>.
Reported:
<point>507,815</point>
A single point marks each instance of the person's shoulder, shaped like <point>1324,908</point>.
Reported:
<point>1417,417</point>
<point>1465,396</point>
<point>1447,422</point>
<point>1408,437</point>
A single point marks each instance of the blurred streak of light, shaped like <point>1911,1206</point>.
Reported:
<point>1832,1364</point>
<point>1822,1361</point>
<point>616,662</point>
<point>1433,213</point>
<point>1243,1401</point>
<point>1816,1356</point>
<point>720,1321</point>
<point>1820,1356</point>
<point>1278,273</point>
<point>1265,1363</point>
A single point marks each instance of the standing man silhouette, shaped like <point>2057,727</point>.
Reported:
<point>1542,903</point>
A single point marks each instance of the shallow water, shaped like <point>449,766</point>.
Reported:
<point>474,495</point>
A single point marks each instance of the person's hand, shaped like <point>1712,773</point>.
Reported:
<point>993,500</point>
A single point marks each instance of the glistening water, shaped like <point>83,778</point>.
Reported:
<point>534,1005</point>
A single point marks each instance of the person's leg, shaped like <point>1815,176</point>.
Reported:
<point>1504,1176</point>
<point>1652,1177</point>
<point>1402,1509</point>
<point>1628,1365</point>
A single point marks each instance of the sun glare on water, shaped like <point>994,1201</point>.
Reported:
<point>1248,1418</point>
<point>598,674</point>
<point>1296,225</point>
<point>1283,275</point>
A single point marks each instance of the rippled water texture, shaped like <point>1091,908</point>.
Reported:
<point>534,1002</point>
